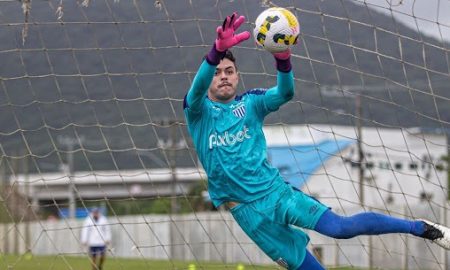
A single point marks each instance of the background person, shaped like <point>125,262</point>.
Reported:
<point>96,235</point>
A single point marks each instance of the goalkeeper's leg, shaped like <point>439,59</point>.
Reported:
<point>370,223</point>
<point>310,263</point>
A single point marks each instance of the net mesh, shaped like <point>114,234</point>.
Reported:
<point>91,115</point>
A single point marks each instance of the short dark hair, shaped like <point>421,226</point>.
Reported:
<point>229,55</point>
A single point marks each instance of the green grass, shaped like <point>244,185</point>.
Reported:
<point>28,262</point>
<point>82,263</point>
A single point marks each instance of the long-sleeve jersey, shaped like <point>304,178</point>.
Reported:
<point>229,137</point>
<point>95,233</point>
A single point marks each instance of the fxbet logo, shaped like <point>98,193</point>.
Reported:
<point>228,139</point>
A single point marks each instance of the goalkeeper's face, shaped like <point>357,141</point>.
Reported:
<point>224,84</point>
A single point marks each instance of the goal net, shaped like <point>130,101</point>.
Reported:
<point>91,116</point>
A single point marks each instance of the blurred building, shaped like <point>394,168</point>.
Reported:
<point>398,166</point>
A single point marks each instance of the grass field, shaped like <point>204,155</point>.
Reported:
<point>24,262</point>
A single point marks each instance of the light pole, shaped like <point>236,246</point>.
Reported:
<point>360,151</point>
<point>169,147</point>
<point>69,144</point>
<point>332,92</point>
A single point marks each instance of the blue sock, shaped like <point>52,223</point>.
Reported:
<point>310,263</point>
<point>418,228</point>
<point>366,223</point>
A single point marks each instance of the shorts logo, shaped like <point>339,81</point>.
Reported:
<point>313,209</point>
<point>282,262</point>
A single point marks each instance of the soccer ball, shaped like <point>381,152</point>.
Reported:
<point>276,29</point>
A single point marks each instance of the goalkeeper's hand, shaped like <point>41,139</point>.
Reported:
<point>283,60</point>
<point>226,37</point>
<point>283,55</point>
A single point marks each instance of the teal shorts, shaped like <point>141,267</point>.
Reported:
<point>268,222</point>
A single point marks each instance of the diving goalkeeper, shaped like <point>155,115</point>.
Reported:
<point>227,130</point>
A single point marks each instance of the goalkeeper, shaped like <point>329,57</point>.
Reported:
<point>227,130</point>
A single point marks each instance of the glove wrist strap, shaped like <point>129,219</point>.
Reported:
<point>214,56</point>
<point>283,65</point>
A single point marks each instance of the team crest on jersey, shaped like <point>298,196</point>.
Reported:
<point>239,111</point>
<point>282,262</point>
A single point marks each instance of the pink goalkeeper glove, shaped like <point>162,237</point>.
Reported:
<point>225,33</point>
<point>283,60</point>
<point>283,55</point>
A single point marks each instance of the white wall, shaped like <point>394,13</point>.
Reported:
<point>214,236</point>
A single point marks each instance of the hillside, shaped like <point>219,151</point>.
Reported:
<point>111,72</point>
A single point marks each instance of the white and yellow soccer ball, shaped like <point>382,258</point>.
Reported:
<point>276,29</point>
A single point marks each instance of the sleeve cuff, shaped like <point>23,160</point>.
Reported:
<point>283,65</point>
<point>214,56</point>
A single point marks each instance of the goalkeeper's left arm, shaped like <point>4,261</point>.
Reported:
<point>284,90</point>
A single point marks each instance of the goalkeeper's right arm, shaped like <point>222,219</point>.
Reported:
<point>226,38</point>
<point>199,88</point>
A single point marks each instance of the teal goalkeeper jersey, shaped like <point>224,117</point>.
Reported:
<point>229,137</point>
